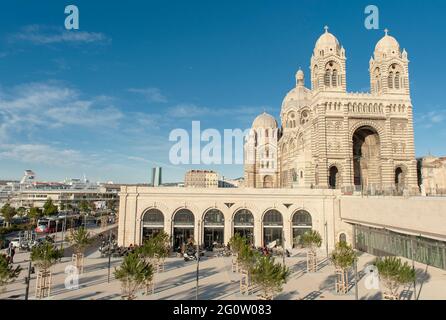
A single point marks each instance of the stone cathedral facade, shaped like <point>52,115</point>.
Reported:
<point>331,138</point>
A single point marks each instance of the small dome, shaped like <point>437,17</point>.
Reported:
<point>300,75</point>
<point>327,40</point>
<point>264,121</point>
<point>388,45</point>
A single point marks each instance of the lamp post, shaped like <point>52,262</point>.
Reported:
<point>109,255</point>
<point>198,259</point>
<point>27,280</point>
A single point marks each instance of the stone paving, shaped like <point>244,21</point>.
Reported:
<point>217,281</point>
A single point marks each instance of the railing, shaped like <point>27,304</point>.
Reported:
<point>380,190</point>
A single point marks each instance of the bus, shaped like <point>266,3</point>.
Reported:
<point>49,225</point>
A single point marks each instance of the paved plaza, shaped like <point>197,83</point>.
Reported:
<point>217,281</point>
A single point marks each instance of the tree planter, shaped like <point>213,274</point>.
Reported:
<point>235,265</point>
<point>78,261</point>
<point>311,261</point>
<point>150,287</point>
<point>341,281</point>
<point>389,296</point>
<point>245,282</point>
<point>267,297</point>
<point>43,284</point>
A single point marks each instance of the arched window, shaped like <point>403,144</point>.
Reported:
<point>334,78</point>
<point>343,238</point>
<point>214,217</point>
<point>390,80</point>
<point>397,80</point>
<point>302,223</point>
<point>243,218</point>
<point>327,77</point>
<point>184,217</point>
<point>153,217</point>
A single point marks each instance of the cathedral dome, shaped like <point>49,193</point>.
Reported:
<point>387,45</point>
<point>264,121</point>
<point>327,40</point>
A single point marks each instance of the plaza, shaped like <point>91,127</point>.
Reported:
<point>218,282</point>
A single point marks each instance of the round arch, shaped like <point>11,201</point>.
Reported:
<point>213,228</point>
<point>302,222</point>
<point>272,222</point>
<point>152,223</point>
<point>243,223</point>
<point>183,224</point>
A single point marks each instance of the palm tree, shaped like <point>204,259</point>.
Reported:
<point>49,208</point>
<point>7,272</point>
<point>343,257</point>
<point>80,239</point>
<point>162,249</point>
<point>393,273</point>
<point>312,240</point>
<point>269,276</point>
<point>44,256</point>
<point>134,273</point>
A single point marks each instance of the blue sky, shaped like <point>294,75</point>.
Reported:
<point>102,100</point>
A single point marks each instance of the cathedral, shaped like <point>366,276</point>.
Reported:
<point>330,138</point>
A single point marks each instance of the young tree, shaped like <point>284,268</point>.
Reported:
<point>270,276</point>
<point>8,212</point>
<point>343,257</point>
<point>394,274</point>
<point>84,206</point>
<point>7,272</point>
<point>80,239</point>
<point>44,256</point>
<point>134,273</point>
<point>21,212</point>
<point>312,240</point>
<point>35,214</point>
<point>247,258</point>
<point>49,209</point>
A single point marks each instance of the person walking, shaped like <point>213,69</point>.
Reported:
<point>12,254</point>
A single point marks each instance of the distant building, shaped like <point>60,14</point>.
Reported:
<point>157,176</point>
<point>201,179</point>
<point>230,183</point>
<point>432,175</point>
<point>32,193</point>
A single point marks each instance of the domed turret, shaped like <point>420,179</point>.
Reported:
<point>387,46</point>
<point>264,121</point>
<point>327,43</point>
<point>300,78</point>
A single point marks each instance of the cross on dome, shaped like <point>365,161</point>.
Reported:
<point>326,29</point>
<point>386,31</point>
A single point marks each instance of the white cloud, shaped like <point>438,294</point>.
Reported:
<point>40,154</point>
<point>432,118</point>
<point>42,35</point>
<point>194,111</point>
<point>52,105</point>
<point>150,94</point>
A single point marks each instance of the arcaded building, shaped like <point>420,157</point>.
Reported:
<point>340,163</point>
<point>331,138</point>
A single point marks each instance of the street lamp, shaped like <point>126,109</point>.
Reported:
<point>198,259</point>
<point>109,255</point>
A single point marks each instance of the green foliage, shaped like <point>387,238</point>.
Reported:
<point>111,205</point>
<point>157,247</point>
<point>394,273</point>
<point>247,257</point>
<point>311,240</point>
<point>7,272</point>
<point>84,206</point>
<point>8,212</point>
<point>80,239</point>
<point>236,243</point>
<point>134,273</point>
<point>343,257</point>
<point>35,214</point>
<point>45,255</point>
<point>268,275</point>
<point>21,212</point>
<point>49,209</point>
